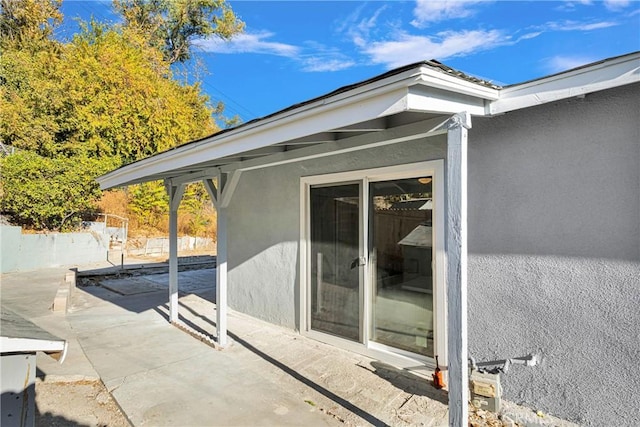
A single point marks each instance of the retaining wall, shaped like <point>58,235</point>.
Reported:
<point>24,252</point>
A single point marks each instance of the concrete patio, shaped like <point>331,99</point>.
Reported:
<point>160,375</point>
<point>118,331</point>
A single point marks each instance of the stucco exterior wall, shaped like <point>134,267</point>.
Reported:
<point>264,226</point>
<point>554,253</point>
<point>554,248</point>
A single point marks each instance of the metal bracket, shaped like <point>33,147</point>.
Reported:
<point>504,364</point>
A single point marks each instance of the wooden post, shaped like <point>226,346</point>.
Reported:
<point>175,196</point>
<point>456,240</point>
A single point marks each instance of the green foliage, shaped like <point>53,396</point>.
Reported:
<point>108,97</point>
<point>193,208</point>
<point>171,25</point>
<point>102,95</point>
<point>149,202</point>
<point>49,194</point>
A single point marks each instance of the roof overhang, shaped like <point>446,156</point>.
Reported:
<point>407,95</point>
<point>394,100</point>
<point>602,75</point>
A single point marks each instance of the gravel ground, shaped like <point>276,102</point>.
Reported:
<point>76,404</point>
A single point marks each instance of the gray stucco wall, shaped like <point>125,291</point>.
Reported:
<point>554,248</point>
<point>554,253</point>
<point>264,226</point>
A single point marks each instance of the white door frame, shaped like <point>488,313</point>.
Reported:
<point>379,351</point>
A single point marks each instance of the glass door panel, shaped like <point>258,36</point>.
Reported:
<point>335,249</point>
<point>401,253</point>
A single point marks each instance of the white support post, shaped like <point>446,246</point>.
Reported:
<point>221,278</point>
<point>175,196</point>
<point>457,269</point>
<point>226,186</point>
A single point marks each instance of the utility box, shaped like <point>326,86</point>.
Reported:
<point>485,390</point>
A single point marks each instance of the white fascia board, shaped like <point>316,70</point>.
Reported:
<point>451,83</point>
<point>30,345</point>
<point>601,76</point>
<point>427,99</point>
<point>377,99</point>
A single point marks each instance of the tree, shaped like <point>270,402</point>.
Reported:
<point>108,97</point>
<point>171,25</point>
<point>25,22</point>
<point>150,203</point>
<point>102,95</point>
<point>49,194</point>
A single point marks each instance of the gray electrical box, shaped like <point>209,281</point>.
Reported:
<point>485,390</point>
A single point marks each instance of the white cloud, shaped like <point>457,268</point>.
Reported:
<point>427,11</point>
<point>322,59</point>
<point>575,26</point>
<point>616,5</point>
<point>529,35</point>
<point>612,5</point>
<point>359,29</point>
<point>409,48</point>
<point>321,64</point>
<point>248,43</point>
<point>561,63</point>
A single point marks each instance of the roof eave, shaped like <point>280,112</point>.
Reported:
<point>378,98</point>
<point>578,82</point>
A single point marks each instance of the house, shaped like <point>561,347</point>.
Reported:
<point>427,213</point>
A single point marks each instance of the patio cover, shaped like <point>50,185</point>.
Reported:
<point>419,100</point>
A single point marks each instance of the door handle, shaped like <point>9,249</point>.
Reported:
<point>359,262</point>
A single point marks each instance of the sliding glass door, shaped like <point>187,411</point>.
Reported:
<point>374,259</point>
<point>401,242</point>
<point>335,249</point>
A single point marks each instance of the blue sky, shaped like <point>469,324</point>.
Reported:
<point>292,51</point>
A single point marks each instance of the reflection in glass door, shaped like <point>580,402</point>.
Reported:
<point>335,247</point>
<point>401,248</point>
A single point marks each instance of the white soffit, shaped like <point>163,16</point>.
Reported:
<point>602,75</point>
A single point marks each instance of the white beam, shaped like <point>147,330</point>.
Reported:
<point>403,133</point>
<point>229,187</point>
<point>212,190</point>
<point>175,196</point>
<point>221,278</point>
<point>312,139</point>
<point>374,125</point>
<point>187,178</point>
<point>456,239</point>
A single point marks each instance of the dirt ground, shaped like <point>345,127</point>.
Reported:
<point>84,403</point>
<point>89,404</point>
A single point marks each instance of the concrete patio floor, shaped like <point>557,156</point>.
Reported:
<point>118,331</point>
<point>160,375</point>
